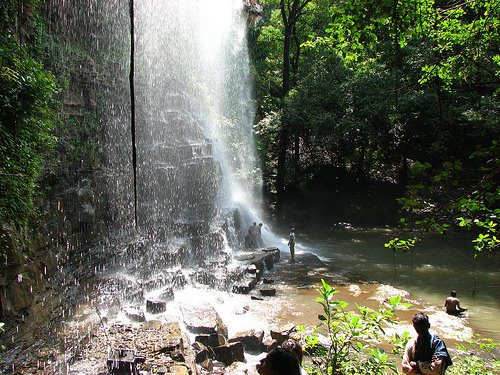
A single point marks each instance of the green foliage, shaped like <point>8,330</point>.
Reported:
<point>463,35</point>
<point>476,358</point>
<point>347,348</point>
<point>342,344</point>
<point>461,194</point>
<point>397,243</point>
<point>27,115</point>
<point>380,85</point>
<point>2,329</point>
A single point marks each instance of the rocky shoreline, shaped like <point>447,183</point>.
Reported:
<point>88,343</point>
<point>198,341</point>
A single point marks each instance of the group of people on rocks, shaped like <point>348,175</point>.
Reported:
<point>253,238</point>
<point>425,354</point>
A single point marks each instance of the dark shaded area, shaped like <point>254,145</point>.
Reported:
<point>334,198</point>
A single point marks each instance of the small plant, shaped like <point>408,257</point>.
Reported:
<point>345,347</point>
<point>471,363</point>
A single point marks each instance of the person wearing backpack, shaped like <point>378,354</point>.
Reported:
<point>427,353</point>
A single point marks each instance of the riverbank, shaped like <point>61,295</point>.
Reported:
<point>86,338</point>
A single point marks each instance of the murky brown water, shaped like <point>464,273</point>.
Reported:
<point>438,265</point>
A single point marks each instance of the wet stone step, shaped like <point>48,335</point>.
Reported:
<point>268,292</point>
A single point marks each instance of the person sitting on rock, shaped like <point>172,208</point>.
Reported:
<point>452,304</point>
<point>426,354</point>
<point>279,362</point>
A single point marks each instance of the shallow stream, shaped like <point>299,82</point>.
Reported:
<point>438,265</point>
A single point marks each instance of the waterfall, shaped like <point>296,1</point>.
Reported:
<point>174,116</point>
<point>197,183</point>
<point>194,111</point>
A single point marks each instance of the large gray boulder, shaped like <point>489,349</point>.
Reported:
<point>203,319</point>
<point>251,340</point>
<point>230,353</point>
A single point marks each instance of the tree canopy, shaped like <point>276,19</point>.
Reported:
<point>394,92</point>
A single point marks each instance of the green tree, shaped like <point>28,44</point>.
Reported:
<point>27,115</point>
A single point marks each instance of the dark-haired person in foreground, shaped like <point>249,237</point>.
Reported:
<point>294,347</point>
<point>452,304</point>
<point>426,354</point>
<point>279,362</point>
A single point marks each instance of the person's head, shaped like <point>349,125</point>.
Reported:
<point>292,229</point>
<point>260,224</point>
<point>294,347</point>
<point>254,224</point>
<point>279,362</point>
<point>421,323</point>
<point>453,293</point>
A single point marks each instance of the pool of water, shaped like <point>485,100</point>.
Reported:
<point>437,265</point>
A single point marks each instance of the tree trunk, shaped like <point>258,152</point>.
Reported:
<point>361,162</point>
<point>296,159</point>
<point>283,134</point>
<point>290,13</point>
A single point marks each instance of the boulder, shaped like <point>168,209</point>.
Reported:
<point>230,353</point>
<point>179,370</point>
<point>266,291</point>
<point>134,314</point>
<point>269,344</point>
<point>208,365</point>
<point>171,339</point>
<point>274,251</point>
<point>251,340</point>
<point>245,285</point>
<point>167,295</point>
<point>282,334</point>
<point>243,310</point>
<point>237,368</point>
<point>202,319</point>
<point>211,340</point>
<point>269,261</point>
<point>201,353</point>
<point>155,306</point>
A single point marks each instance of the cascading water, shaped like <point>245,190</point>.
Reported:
<point>197,180</point>
<point>194,110</point>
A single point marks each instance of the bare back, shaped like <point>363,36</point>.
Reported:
<point>452,305</point>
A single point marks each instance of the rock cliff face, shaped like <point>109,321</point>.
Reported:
<point>254,10</point>
<point>88,207</point>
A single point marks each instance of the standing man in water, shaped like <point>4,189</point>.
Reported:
<point>291,243</point>
<point>259,235</point>
<point>426,354</point>
<point>452,304</point>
